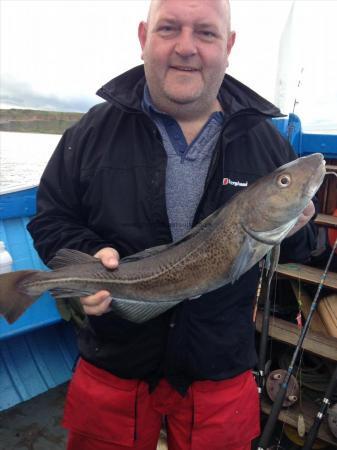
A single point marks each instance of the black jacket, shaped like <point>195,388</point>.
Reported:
<point>105,186</point>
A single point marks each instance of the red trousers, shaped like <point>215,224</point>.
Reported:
<point>104,412</point>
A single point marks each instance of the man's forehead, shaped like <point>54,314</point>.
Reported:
<point>158,6</point>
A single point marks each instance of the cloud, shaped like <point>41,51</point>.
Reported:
<point>58,53</point>
<point>20,94</point>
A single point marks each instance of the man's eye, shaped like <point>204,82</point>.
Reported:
<point>208,35</point>
<point>166,29</point>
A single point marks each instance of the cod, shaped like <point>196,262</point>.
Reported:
<point>215,252</point>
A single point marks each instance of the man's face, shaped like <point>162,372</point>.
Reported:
<point>185,50</point>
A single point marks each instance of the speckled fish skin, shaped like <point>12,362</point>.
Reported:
<point>216,252</point>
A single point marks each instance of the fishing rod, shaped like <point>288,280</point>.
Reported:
<point>313,432</point>
<point>271,263</point>
<point>272,419</point>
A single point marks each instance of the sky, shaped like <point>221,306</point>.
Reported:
<point>55,54</point>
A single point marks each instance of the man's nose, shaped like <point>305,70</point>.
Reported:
<point>186,45</point>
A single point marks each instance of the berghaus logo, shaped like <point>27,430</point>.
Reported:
<point>228,181</point>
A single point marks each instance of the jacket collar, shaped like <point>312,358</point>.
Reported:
<point>126,92</point>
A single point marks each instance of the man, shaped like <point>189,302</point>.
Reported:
<point>138,171</point>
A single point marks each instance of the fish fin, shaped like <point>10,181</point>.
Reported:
<point>205,224</point>
<point>139,311</point>
<point>145,253</point>
<point>66,293</point>
<point>248,255</point>
<point>241,261</point>
<point>66,257</point>
<point>13,300</point>
<point>270,237</point>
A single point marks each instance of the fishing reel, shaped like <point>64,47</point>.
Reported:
<point>274,381</point>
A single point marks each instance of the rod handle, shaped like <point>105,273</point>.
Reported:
<point>272,419</point>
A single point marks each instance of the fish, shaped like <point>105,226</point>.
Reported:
<point>216,252</point>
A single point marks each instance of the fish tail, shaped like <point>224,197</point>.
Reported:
<point>13,298</point>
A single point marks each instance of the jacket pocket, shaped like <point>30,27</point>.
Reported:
<point>226,413</point>
<point>101,405</point>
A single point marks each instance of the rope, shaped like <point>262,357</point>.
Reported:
<point>315,373</point>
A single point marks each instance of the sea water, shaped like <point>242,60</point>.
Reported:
<point>23,157</point>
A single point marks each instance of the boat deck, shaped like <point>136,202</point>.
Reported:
<point>35,424</point>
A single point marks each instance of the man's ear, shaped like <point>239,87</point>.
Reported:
<point>230,42</point>
<point>142,33</point>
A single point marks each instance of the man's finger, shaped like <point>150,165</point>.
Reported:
<point>99,309</point>
<point>95,299</point>
<point>111,262</point>
<point>109,257</point>
<point>303,219</point>
<point>96,304</point>
<point>309,211</point>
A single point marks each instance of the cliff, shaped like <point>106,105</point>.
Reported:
<point>33,121</point>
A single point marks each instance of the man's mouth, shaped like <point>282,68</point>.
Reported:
<point>185,68</point>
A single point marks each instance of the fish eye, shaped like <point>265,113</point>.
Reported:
<point>284,180</point>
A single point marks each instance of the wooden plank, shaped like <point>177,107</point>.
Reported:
<point>287,332</point>
<point>307,273</point>
<point>326,220</point>
<point>327,309</point>
<point>331,168</point>
<point>309,410</point>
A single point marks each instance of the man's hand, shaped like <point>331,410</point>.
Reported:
<point>98,303</point>
<point>304,218</point>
